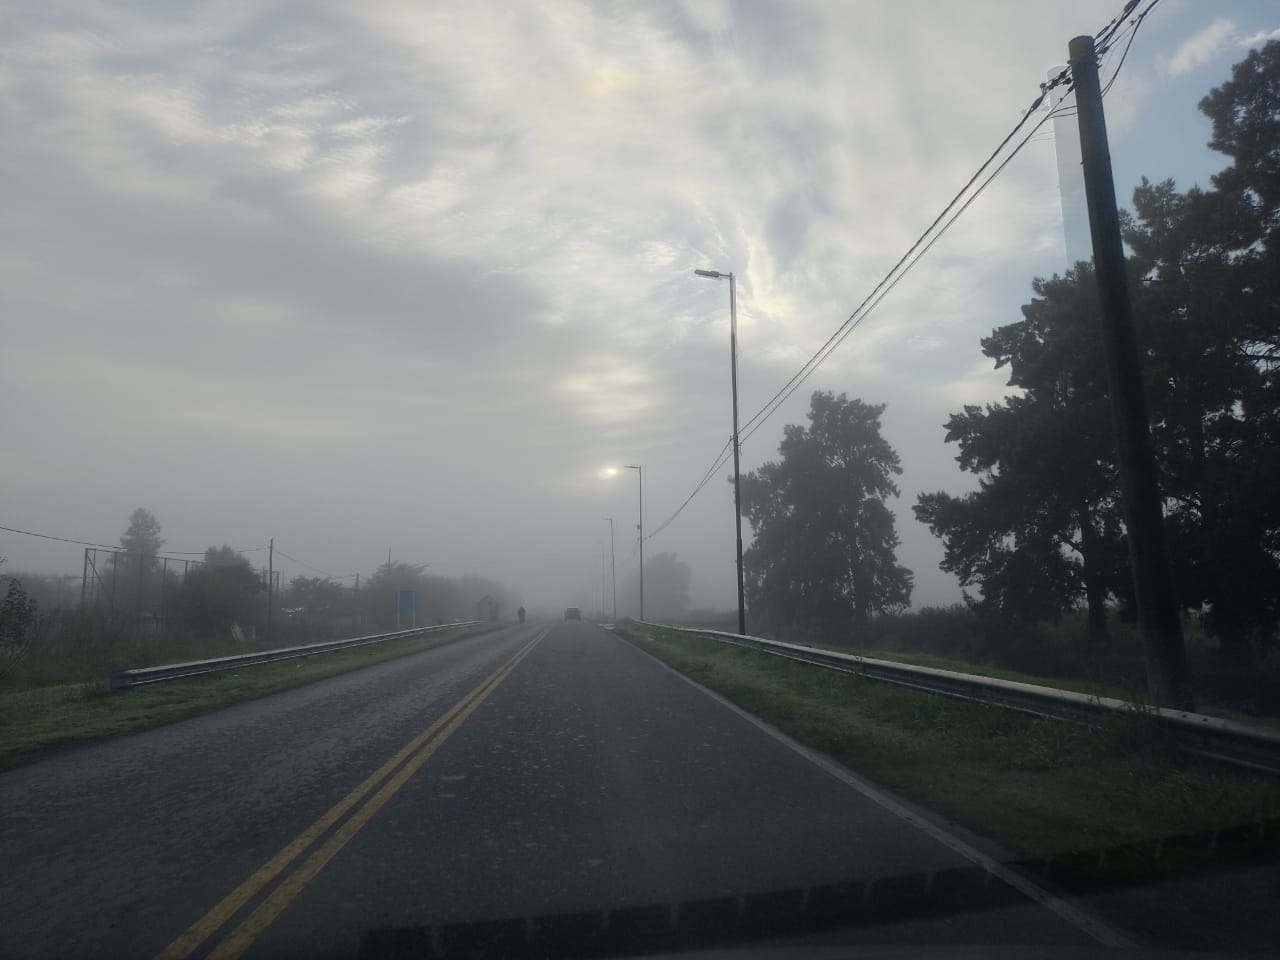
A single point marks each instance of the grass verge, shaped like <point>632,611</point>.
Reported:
<point>1039,787</point>
<point>1133,693</point>
<point>34,720</point>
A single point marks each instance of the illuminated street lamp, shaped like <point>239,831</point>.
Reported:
<point>737,470</point>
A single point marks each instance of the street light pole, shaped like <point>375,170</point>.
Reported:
<point>613,569</point>
<point>737,447</point>
<point>640,477</point>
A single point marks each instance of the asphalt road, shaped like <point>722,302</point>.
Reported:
<point>529,771</point>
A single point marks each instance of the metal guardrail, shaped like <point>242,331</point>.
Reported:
<point>124,679</point>
<point>1240,744</point>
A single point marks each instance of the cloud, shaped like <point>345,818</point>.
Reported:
<point>1208,44</point>
<point>1202,47</point>
<point>386,259</point>
<point>1258,39</point>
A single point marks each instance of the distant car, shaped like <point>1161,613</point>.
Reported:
<point>572,613</point>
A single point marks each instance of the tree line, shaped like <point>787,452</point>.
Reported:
<point>222,591</point>
<point>1043,535</point>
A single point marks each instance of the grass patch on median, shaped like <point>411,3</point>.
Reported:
<point>34,720</point>
<point>1037,786</point>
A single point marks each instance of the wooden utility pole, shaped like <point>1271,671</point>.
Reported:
<point>641,529</point>
<point>1158,618</point>
<point>271,580</point>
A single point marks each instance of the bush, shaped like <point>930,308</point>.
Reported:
<point>1057,650</point>
<point>949,631</point>
<point>18,615</point>
<point>80,646</point>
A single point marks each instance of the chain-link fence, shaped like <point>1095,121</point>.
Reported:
<point>133,587</point>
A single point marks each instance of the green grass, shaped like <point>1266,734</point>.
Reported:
<point>75,646</point>
<point>37,719</point>
<point>1037,786</point>
<point>987,670</point>
<point>1132,693</point>
<point>1054,653</point>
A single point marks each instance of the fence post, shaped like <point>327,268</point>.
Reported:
<point>115,568</point>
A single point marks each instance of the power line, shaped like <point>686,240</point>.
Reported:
<point>1136,24</point>
<point>869,306</point>
<point>45,536</point>
<point>1103,37</point>
<point>117,547</point>
<point>902,267</point>
<point>820,354</point>
<point>303,563</point>
<point>1106,38</point>
<point>1068,110</point>
<point>720,459</point>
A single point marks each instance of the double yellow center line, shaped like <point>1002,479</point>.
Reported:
<point>365,800</point>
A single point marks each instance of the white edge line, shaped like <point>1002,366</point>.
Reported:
<point>1100,930</point>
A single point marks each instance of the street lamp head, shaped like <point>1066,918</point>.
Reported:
<point>710,274</point>
<point>633,466</point>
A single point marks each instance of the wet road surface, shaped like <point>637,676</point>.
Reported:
<point>532,770</point>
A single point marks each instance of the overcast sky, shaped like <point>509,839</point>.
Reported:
<point>408,276</point>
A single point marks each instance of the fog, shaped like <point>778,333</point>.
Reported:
<point>404,280</point>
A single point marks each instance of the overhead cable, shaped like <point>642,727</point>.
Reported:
<point>1111,34</point>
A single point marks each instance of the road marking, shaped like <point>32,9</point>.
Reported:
<point>1101,931</point>
<point>252,927</point>
<point>427,742</point>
